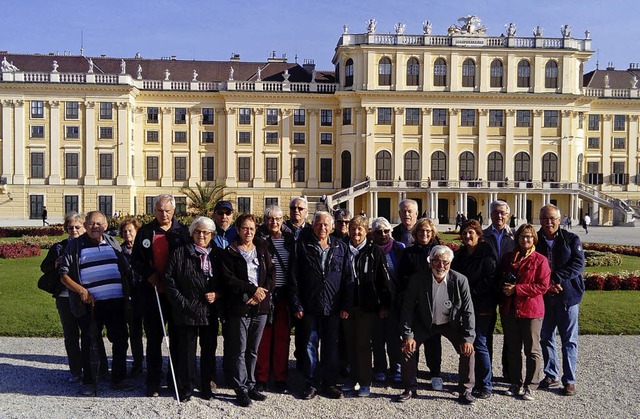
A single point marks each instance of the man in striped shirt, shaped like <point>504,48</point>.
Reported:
<point>95,271</point>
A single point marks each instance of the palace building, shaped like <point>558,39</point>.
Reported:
<point>453,121</point>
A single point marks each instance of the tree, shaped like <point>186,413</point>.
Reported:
<point>203,197</point>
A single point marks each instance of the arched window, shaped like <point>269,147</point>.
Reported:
<point>440,72</point>
<point>496,73</point>
<point>384,72</point>
<point>411,165</point>
<point>495,167</point>
<point>468,73</point>
<point>550,168</point>
<point>348,73</point>
<point>522,169</point>
<point>551,75</point>
<point>524,74</point>
<point>383,166</point>
<point>413,72</point>
<point>467,166</point>
<point>438,166</point>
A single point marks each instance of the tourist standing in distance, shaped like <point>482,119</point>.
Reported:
<point>408,212</point>
<point>562,302</point>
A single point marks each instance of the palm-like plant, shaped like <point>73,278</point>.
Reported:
<point>203,197</point>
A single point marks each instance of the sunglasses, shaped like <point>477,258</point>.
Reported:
<point>74,227</point>
<point>381,232</point>
<point>223,212</point>
<point>342,221</point>
<point>298,208</point>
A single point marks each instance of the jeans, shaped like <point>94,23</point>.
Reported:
<point>565,320</point>
<point>483,359</point>
<point>244,334</point>
<point>71,331</point>
<point>325,329</point>
<point>387,331</point>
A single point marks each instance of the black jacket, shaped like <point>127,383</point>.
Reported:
<point>414,259</point>
<point>186,285</point>
<point>480,270</point>
<point>289,244</point>
<point>371,291</point>
<point>49,263</point>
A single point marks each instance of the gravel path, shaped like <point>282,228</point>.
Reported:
<point>609,377</point>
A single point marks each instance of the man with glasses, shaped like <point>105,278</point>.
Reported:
<point>342,218</point>
<point>298,211</point>
<point>225,230</point>
<point>408,212</point>
<point>562,301</point>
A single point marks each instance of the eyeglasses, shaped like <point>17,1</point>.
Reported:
<point>221,213</point>
<point>549,218</point>
<point>526,237</point>
<point>342,221</point>
<point>441,262</point>
<point>293,207</point>
<point>425,230</point>
<point>74,227</point>
<point>201,232</point>
<point>274,219</point>
<point>381,232</point>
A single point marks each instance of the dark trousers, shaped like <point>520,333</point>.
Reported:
<point>153,328</point>
<point>110,314</point>
<point>187,368</point>
<point>134,321</point>
<point>273,352</point>
<point>321,330</point>
<point>386,332</point>
<point>244,334</point>
<point>466,364</point>
<point>71,332</point>
<point>523,333</point>
<point>433,354</point>
<point>359,335</point>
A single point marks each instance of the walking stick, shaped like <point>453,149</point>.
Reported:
<point>166,341</point>
<point>94,355</point>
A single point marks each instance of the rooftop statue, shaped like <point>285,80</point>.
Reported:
<point>166,74</point>
<point>123,67</point>
<point>139,72</point>
<point>231,71</point>
<point>400,28</point>
<point>6,66</point>
<point>469,25</point>
<point>537,31</point>
<point>195,76</point>
<point>55,67</point>
<point>511,29</point>
<point>634,82</point>
<point>565,30</point>
<point>426,27</point>
<point>371,25</point>
<point>90,70</point>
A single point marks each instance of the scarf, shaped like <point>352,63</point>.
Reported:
<point>205,262</point>
<point>519,257</point>
<point>386,248</point>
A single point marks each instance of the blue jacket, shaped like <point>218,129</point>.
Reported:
<point>567,264</point>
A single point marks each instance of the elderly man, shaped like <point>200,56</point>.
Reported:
<point>226,232</point>
<point>154,243</point>
<point>297,222</point>
<point>562,301</point>
<point>408,212</point>
<point>342,218</point>
<point>442,305</point>
<point>96,272</point>
<point>322,294</point>
<point>499,235</point>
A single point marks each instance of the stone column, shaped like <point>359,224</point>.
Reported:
<point>313,148</point>
<point>258,147</point>
<point>367,140</point>
<point>452,166</point>
<point>90,144</point>
<point>54,143</point>
<point>285,147</point>
<point>122,141</point>
<point>166,176</point>
<point>20,173</point>
<point>564,154</point>
<point>482,156</point>
<point>425,155</point>
<point>397,144</point>
<point>139,139</point>
<point>8,141</point>
<point>536,149</point>
<point>195,163</point>
<point>230,156</point>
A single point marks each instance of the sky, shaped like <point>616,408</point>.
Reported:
<point>214,29</point>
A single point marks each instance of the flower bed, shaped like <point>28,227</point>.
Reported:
<point>55,230</point>
<point>623,280</point>
<point>613,248</point>
<point>597,258</point>
<point>18,250</point>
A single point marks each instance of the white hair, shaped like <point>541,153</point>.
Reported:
<point>441,250</point>
<point>204,222</point>
<point>380,223</point>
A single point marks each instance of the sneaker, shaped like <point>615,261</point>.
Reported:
<point>406,395</point>
<point>548,382</point>
<point>528,395</point>
<point>466,398</point>
<point>213,386</point>
<point>243,399</point>
<point>87,390</point>
<point>436,383</point>
<point>364,391</point>
<point>514,390</point>
<point>569,389</point>
<point>380,377</point>
<point>153,391</point>
<point>309,393</point>
<point>348,386</point>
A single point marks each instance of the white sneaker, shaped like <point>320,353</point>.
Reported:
<point>528,395</point>
<point>436,383</point>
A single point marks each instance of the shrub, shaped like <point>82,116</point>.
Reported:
<point>613,248</point>
<point>597,258</point>
<point>612,283</point>
<point>18,250</point>
<point>41,242</point>
<point>54,230</point>
<point>594,282</point>
<point>630,283</point>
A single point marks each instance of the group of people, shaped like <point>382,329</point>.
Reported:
<point>362,296</point>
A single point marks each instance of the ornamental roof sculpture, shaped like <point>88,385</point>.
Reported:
<point>470,25</point>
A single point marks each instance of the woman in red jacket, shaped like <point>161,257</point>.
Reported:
<point>525,278</point>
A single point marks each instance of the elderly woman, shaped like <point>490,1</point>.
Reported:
<point>525,276</point>
<point>192,279</point>
<point>128,229</point>
<point>415,259</point>
<point>249,279</point>
<point>386,331</point>
<point>371,301</point>
<point>74,226</point>
<point>273,352</point>
<point>475,260</point>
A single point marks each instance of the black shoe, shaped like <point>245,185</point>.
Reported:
<point>466,398</point>
<point>123,385</point>
<point>153,391</point>
<point>185,398</point>
<point>260,386</point>
<point>281,387</point>
<point>406,395</point>
<point>243,399</point>
<point>309,393</point>
<point>483,394</point>
<point>332,392</point>
<point>256,395</point>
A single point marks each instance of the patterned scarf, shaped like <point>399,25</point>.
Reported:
<point>205,262</point>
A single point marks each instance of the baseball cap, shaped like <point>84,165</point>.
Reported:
<point>223,205</point>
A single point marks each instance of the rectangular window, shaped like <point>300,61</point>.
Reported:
<point>180,137</point>
<point>105,204</point>
<point>618,173</point>
<point>271,169</point>
<point>207,137</point>
<point>346,116</point>
<point>71,165</point>
<point>593,167</point>
<point>106,166</point>
<point>496,118</point>
<point>180,116</point>
<point>523,118</point>
<point>72,132</point>
<point>152,136</point>
<point>244,116</point>
<point>71,204</point>
<point>207,169</point>
<point>152,115</point>
<point>180,168</point>
<point>326,117</point>
<point>593,142</point>
<point>244,205</point>
<point>72,110</point>
<point>299,169</point>
<point>326,138</point>
<point>412,116</point>
<point>619,122</point>
<point>244,169</point>
<point>299,138</point>
<point>37,131</point>
<point>244,137</point>
<point>36,205</point>
<point>468,118</point>
<point>272,117</point>
<point>270,201</point>
<point>153,168</point>
<point>37,165</point>
<point>37,109</point>
<point>326,169</point>
<point>271,137</point>
<point>439,117</point>
<point>619,143</point>
<point>106,133</point>
<point>207,116</point>
<point>106,110</point>
<point>384,116</point>
<point>148,204</point>
<point>551,119</point>
<point>594,123</point>
<point>181,205</point>
<point>299,117</point>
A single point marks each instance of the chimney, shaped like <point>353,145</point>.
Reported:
<point>610,66</point>
<point>309,65</point>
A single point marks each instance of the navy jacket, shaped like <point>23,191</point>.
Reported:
<point>480,269</point>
